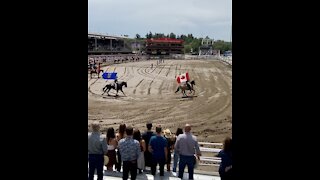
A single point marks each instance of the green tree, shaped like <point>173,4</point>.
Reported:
<point>138,36</point>
<point>222,46</point>
<point>190,36</point>
<point>149,35</point>
<point>172,35</point>
<point>187,48</point>
<point>159,35</point>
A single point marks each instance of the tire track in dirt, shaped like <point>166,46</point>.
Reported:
<point>168,70</point>
<point>210,106</point>
<point>164,80</point>
<point>140,72</point>
<point>149,88</point>
<point>200,108</point>
<point>222,82</point>
<point>172,111</point>
<point>151,115</point>
<point>146,73</point>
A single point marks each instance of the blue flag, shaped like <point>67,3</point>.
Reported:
<point>109,75</point>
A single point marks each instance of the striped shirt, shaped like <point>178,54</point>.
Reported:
<point>129,149</point>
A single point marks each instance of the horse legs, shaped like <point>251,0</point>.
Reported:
<point>103,89</point>
<point>193,90</point>
<point>122,92</point>
<point>177,90</point>
<point>108,92</point>
<point>184,93</point>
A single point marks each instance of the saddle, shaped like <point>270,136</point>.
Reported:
<point>185,85</point>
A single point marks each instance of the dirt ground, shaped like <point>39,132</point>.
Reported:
<point>150,96</point>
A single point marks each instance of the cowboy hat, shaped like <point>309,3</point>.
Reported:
<point>106,160</point>
<point>167,133</point>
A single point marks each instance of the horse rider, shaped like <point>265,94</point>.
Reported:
<point>115,83</point>
<point>93,67</point>
<point>188,84</point>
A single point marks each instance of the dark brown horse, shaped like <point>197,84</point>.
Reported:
<point>94,70</point>
<point>184,87</point>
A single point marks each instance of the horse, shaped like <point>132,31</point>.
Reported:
<point>184,87</point>
<point>95,70</point>
<point>108,87</point>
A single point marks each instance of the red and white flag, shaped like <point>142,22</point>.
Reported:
<point>183,78</point>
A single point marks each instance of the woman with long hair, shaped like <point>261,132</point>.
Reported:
<point>225,168</point>
<point>175,154</point>
<point>112,145</point>
<point>171,141</point>
<point>137,136</point>
<point>119,136</point>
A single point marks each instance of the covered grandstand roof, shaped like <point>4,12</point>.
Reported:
<point>106,36</point>
<point>166,40</point>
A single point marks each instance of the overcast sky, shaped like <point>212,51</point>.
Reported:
<point>201,18</point>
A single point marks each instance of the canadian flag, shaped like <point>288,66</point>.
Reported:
<point>183,78</point>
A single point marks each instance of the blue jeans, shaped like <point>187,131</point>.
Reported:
<point>175,161</point>
<point>186,160</point>
<point>96,162</point>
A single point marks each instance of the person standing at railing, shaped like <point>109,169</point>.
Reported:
<point>97,147</point>
<point>141,162</point>
<point>112,145</point>
<point>168,135</point>
<point>120,135</point>
<point>130,150</point>
<point>147,136</point>
<point>187,146</point>
<point>175,153</point>
<point>158,148</point>
<point>225,168</point>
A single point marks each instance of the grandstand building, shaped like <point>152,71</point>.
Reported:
<point>107,44</point>
<point>164,46</point>
<point>206,47</point>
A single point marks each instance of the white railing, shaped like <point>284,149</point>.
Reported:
<point>227,59</point>
<point>209,153</point>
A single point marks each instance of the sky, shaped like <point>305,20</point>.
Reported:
<point>212,18</point>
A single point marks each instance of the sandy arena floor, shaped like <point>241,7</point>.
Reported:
<point>150,97</point>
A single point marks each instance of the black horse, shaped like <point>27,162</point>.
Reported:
<point>185,86</point>
<point>108,87</point>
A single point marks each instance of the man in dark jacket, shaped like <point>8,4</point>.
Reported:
<point>146,136</point>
